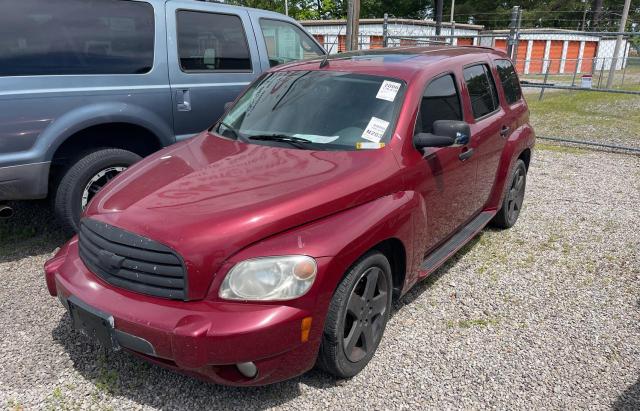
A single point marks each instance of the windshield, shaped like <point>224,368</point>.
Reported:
<point>316,110</point>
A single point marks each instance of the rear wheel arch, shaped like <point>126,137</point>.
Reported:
<point>525,156</point>
<point>123,135</point>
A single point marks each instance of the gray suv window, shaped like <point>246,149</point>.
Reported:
<point>58,37</point>
<point>286,42</point>
<point>210,42</point>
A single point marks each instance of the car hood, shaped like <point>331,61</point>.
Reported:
<point>209,197</point>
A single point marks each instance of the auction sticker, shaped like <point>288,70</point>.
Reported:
<point>388,90</point>
<point>375,129</point>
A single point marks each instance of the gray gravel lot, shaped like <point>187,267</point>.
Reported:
<point>545,315</point>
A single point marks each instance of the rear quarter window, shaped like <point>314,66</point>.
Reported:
<point>59,37</point>
<point>482,90</point>
<point>509,81</point>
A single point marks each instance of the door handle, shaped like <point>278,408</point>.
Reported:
<point>465,154</point>
<point>183,100</point>
<point>504,132</point>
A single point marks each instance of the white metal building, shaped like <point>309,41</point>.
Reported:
<point>332,33</point>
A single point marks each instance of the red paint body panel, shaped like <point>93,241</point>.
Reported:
<point>217,202</point>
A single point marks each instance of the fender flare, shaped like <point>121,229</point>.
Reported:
<point>521,139</point>
<point>91,115</point>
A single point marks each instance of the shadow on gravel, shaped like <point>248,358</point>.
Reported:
<point>125,375</point>
<point>428,282</point>
<point>31,231</point>
<point>629,399</point>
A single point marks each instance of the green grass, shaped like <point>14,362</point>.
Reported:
<point>560,148</point>
<point>584,115</point>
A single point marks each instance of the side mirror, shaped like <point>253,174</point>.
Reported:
<point>227,106</point>
<point>457,130</point>
<point>424,140</point>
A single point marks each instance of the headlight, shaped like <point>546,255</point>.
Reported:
<point>270,278</point>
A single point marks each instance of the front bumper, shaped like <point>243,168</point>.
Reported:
<point>24,182</point>
<point>202,338</point>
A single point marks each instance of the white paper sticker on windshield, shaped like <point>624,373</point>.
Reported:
<point>375,129</point>
<point>388,90</point>
<point>317,139</point>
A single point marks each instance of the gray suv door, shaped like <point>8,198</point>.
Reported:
<point>212,58</point>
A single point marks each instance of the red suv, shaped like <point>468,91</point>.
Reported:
<point>276,239</point>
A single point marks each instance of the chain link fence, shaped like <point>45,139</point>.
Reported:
<point>574,94</point>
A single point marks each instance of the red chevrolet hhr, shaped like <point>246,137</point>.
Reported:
<point>277,239</point>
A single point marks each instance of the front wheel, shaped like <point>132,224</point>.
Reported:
<point>82,181</point>
<point>513,198</point>
<point>357,317</point>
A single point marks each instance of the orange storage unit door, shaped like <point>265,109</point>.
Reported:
<point>573,50</point>
<point>521,55</point>
<point>342,43</point>
<point>555,56</point>
<point>319,38</point>
<point>376,42</point>
<point>465,41</point>
<point>588,54</point>
<point>536,63</point>
<point>500,44</point>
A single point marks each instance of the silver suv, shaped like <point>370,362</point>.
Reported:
<point>89,87</point>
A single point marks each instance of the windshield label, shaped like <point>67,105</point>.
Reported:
<point>388,90</point>
<point>317,139</point>
<point>375,129</point>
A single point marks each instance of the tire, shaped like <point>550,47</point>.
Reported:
<point>513,198</point>
<point>68,202</point>
<point>337,356</point>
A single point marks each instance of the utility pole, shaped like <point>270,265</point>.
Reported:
<point>286,7</point>
<point>438,17</point>
<point>616,50</point>
<point>453,6</point>
<point>584,15</point>
<point>515,11</point>
<point>353,24</point>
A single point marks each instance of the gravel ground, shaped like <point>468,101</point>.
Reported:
<point>545,315</point>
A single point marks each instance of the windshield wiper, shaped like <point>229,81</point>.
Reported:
<point>294,141</point>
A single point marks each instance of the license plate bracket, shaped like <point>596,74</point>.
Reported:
<point>92,322</point>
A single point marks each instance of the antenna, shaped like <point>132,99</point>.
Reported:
<point>325,62</point>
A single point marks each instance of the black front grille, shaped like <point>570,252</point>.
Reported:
<point>132,262</point>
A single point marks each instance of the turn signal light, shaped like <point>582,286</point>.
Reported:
<point>306,329</point>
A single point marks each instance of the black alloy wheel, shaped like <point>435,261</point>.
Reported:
<point>508,214</point>
<point>357,316</point>
<point>364,318</point>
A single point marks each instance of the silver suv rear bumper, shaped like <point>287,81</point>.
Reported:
<point>24,182</point>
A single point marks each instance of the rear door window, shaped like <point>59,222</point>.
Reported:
<point>482,90</point>
<point>286,42</point>
<point>509,80</point>
<point>440,101</point>
<point>58,37</point>
<point>212,42</point>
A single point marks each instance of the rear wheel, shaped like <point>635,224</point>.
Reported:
<point>357,317</point>
<point>513,198</point>
<point>84,179</point>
